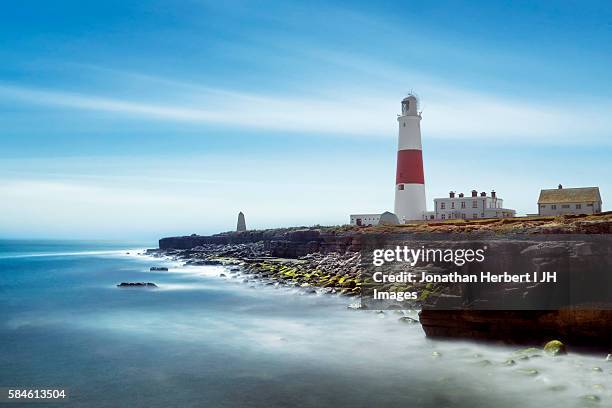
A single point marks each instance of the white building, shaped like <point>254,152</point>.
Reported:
<point>365,219</point>
<point>559,201</point>
<point>457,206</point>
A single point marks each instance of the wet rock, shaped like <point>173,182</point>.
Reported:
<point>136,285</point>
<point>436,354</point>
<point>158,268</point>
<point>532,372</point>
<point>484,363</point>
<point>408,320</point>
<point>527,352</point>
<point>597,369</point>
<point>555,348</point>
<point>207,262</point>
<point>591,398</point>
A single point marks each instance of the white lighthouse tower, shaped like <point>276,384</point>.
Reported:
<point>409,179</point>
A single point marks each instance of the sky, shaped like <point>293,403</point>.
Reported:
<point>141,119</point>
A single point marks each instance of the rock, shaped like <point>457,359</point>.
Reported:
<point>222,275</point>
<point>532,372</point>
<point>408,320</point>
<point>555,348</point>
<point>210,262</point>
<point>137,285</point>
<point>509,362</point>
<point>609,357</point>
<point>591,398</point>
<point>158,268</point>
<point>597,369</point>
<point>436,354</point>
<point>528,352</point>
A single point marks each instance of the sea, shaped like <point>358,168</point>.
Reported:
<point>210,338</point>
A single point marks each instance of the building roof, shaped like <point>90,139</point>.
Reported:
<point>569,195</point>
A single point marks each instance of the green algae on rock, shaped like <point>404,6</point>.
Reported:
<point>555,348</point>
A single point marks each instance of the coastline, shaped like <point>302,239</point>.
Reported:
<point>331,260</point>
<point>332,273</point>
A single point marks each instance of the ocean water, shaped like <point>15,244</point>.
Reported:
<point>205,340</point>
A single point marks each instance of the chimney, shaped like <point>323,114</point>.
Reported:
<point>451,194</point>
<point>474,193</point>
<point>493,194</point>
<point>483,194</point>
<point>560,186</point>
<point>460,195</point>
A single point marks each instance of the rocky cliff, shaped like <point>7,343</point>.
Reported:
<point>299,241</point>
<point>513,240</point>
<point>281,243</point>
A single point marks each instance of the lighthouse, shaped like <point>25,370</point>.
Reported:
<point>409,178</point>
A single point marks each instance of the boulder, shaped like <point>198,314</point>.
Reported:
<point>137,285</point>
<point>555,348</point>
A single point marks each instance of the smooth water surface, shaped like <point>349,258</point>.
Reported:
<point>206,340</point>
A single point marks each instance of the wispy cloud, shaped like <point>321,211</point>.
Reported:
<point>449,112</point>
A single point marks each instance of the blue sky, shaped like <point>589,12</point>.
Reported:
<point>130,119</point>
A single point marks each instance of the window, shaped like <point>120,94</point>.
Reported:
<point>542,206</point>
<point>481,215</point>
<point>474,215</point>
<point>474,204</point>
<point>578,206</point>
<point>590,205</point>
<point>554,206</point>
<point>463,204</point>
<point>404,124</point>
<point>443,216</point>
<point>400,187</point>
<point>452,204</point>
<point>442,205</point>
<point>565,206</point>
<point>463,215</point>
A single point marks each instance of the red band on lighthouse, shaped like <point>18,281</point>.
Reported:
<point>409,167</point>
